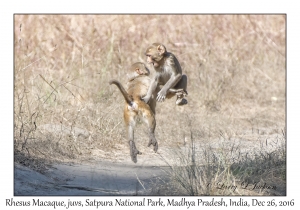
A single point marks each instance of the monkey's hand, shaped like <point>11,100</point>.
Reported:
<point>161,95</point>
<point>146,99</point>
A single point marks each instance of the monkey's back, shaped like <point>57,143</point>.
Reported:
<point>138,87</point>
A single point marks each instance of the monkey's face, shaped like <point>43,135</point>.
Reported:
<point>155,53</point>
<point>153,60</point>
<point>140,69</point>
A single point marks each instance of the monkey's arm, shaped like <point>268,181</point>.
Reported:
<point>175,77</point>
<point>151,89</point>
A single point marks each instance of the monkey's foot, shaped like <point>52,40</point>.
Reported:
<point>153,142</point>
<point>133,151</point>
<point>181,101</point>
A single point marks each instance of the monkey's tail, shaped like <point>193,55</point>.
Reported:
<point>127,98</point>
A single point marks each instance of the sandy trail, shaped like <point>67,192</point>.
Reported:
<point>117,175</point>
<point>94,178</point>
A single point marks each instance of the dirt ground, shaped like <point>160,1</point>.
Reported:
<point>118,175</point>
<point>94,178</point>
<point>103,175</point>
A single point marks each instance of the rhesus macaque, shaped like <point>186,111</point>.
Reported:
<point>137,87</point>
<point>167,73</point>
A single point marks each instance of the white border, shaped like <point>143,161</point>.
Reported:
<point>8,8</point>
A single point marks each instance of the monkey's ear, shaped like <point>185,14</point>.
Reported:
<point>161,49</point>
<point>137,70</point>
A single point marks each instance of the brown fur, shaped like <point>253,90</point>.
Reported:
<point>137,87</point>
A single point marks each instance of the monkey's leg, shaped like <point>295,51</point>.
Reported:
<point>133,150</point>
<point>150,120</point>
<point>129,118</point>
<point>181,91</point>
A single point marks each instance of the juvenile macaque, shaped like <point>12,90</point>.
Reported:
<point>167,73</point>
<point>137,87</point>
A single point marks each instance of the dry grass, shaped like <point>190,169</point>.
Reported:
<point>65,110</point>
<point>229,167</point>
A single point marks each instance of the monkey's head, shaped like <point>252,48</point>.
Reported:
<point>136,70</point>
<point>155,53</point>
